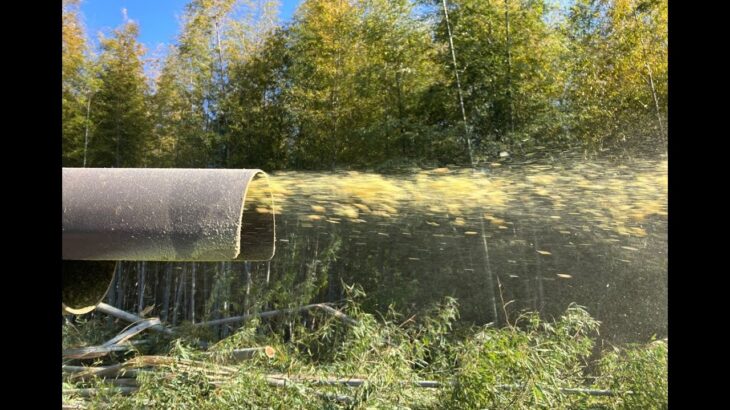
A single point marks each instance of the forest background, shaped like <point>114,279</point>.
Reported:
<point>365,84</point>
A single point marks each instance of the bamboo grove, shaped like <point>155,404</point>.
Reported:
<point>367,83</point>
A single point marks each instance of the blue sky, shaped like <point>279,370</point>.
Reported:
<point>159,20</point>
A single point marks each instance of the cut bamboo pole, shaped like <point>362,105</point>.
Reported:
<point>92,352</point>
<point>239,355</point>
<point>281,380</point>
<point>566,390</point>
<point>118,313</point>
<point>123,382</point>
<point>219,374</point>
<point>87,372</point>
<point>346,381</point>
<point>124,390</point>
<point>133,331</point>
<point>273,313</point>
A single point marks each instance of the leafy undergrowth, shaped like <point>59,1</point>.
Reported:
<point>530,364</point>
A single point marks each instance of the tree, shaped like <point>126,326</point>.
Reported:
<point>196,90</point>
<point>259,122</point>
<point>175,125</point>
<point>640,37</point>
<point>122,124</point>
<point>358,72</point>
<point>508,59</point>
<point>618,71</point>
<point>396,71</point>
<point>77,86</point>
<point>201,76</point>
<point>325,53</point>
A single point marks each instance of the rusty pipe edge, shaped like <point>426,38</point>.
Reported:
<point>147,214</point>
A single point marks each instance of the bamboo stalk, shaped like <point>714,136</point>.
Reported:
<point>458,83</point>
<point>291,383</point>
<point>273,313</point>
<point>87,372</point>
<point>349,381</point>
<point>124,390</point>
<point>591,392</point>
<point>279,380</point>
<point>192,294</point>
<point>123,382</point>
<point>567,390</point>
<point>133,331</point>
<point>96,351</point>
<point>118,313</point>
<point>178,295</point>
<point>239,355</point>
<point>490,276</point>
<point>166,293</point>
<point>538,276</point>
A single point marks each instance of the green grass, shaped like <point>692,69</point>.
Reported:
<point>526,365</point>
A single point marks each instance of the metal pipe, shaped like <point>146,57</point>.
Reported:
<point>146,214</point>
